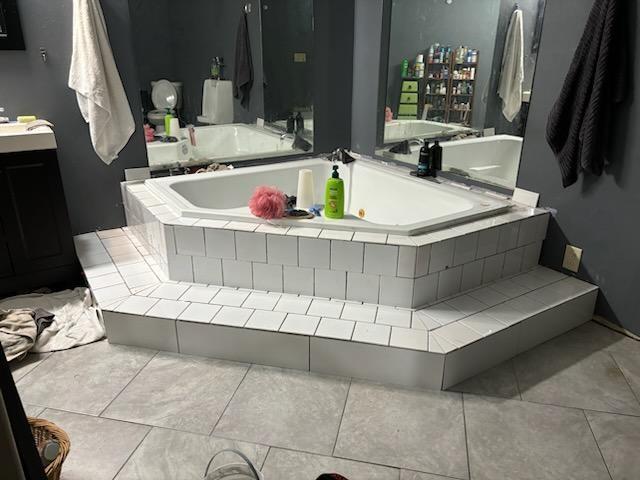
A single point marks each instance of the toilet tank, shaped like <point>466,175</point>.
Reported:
<point>217,102</point>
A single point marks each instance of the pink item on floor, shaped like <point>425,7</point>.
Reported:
<point>268,202</point>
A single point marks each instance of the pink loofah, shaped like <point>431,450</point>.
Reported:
<point>268,202</point>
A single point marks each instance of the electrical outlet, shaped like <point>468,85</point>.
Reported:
<point>572,257</point>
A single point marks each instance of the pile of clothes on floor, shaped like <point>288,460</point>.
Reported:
<point>47,322</point>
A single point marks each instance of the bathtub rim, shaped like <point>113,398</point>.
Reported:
<point>161,187</point>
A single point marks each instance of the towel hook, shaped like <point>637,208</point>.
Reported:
<point>247,8</point>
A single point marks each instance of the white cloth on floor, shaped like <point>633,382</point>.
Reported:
<point>512,74</point>
<point>18,332</point>
<point>76,320</point>
<point>95,78</point>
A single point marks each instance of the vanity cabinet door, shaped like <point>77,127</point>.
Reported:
<point>6,266</point>
<point>34,212</point>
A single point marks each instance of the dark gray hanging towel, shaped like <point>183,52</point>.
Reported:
<point>578,126</point>
<point>243,72</point>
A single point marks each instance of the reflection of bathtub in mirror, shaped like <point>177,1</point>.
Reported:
<point>398,130</point>
<point>217,143</point>
<point>493,159</point>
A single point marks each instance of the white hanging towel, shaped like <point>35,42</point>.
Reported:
<point>95,78</point>
<point>512,74</point>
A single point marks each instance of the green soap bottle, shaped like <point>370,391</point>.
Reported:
<point>167,123</point>
<point>334,197</point>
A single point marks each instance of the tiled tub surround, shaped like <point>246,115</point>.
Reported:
<point>433,347</point>
<point>402,271</point>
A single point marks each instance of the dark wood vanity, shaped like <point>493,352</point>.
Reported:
<point>36,244</point>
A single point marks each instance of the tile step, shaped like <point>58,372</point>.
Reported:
<point>433,347</point>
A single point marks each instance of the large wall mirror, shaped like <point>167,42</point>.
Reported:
<point>461,72</point>
<point>224,81</point>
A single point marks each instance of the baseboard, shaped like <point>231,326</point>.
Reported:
<point>614,326</point>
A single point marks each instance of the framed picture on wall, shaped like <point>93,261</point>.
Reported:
<point>10,30</point>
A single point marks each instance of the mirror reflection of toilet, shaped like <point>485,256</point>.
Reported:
<point>217,102</point>
<point>166,96</point>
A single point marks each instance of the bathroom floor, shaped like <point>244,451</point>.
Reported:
<point>567,409</point>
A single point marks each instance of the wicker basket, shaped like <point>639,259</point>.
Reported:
<point>43,431</point>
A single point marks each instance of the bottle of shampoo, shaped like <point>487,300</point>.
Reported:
<point>167,123</point>
<point>424,160</point>
<point>334,196</point>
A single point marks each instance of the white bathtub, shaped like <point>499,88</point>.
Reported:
<point>392,201</point>
<point>493,159</point>
<point>398,130</point>
<point>215,143</point>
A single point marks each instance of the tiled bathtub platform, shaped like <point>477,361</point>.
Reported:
<point>433,347</point>
<point>366,267</point>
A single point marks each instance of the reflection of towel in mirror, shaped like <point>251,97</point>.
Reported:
<point>243,72</point>
<point>95,78</point>
<point>17,332</point>
<point>512,74</point>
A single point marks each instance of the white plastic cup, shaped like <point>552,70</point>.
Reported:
<point>174,128</point>
<point>305,194</point>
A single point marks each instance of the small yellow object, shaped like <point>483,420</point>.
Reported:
<point>361,213</point>
<point>26,118</point>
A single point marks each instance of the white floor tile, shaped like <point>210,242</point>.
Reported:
<point>420,321</point>
<point>141,280</point>
<point>325,308</point>
<point>304,232</point>
<point>232,316</point>
<point>442,313</point>
<point>169,291</point>
<point>105,280</point>
<point>359,313</point>
<point>265,320</point>
<point>332,328</point>
<point>458,334</point>
<point>134,268</point>
<point>409,338</point>
<point>136,305</point>
<point>242,226</point>
<point>293,304</point>
<point>199,294</point>
<point>272,229</point>
<point>100,270</point>
<point>115,232</point>
<point>483,324</point>
<point>114,292</point>
<point>466,304</point>
<point>232,298</point>
<point>167,309</point>
<point>509,288</point>
<point>372,333</point>
<point>262,301</point>
<point>488,296</point>
<point>300,324</point>
<point>394,317</point>
<point>199,312</point>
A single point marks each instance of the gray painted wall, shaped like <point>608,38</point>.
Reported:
<point>417,24</point>
<point>598,214</point>
<point>366,102</point>
<point>29,86</point>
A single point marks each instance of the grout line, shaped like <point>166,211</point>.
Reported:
<point>515,375</point>
<point>231,399</point>
<point>133,452</point>
<point>49,354</point>
<point>624,376</point>
<point>597,444</point>
<point>128,383</point>
<point>344,409</point>
<point>466,436</point>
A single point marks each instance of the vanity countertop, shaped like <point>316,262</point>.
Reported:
<point>14,137</point>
